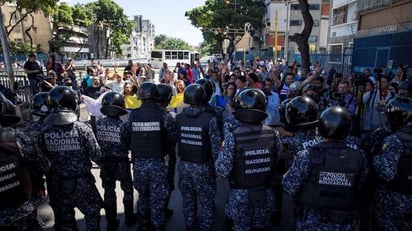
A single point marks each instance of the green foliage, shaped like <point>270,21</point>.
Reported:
<point>219,14</point>
<point>63,14</point>
<point>80,15</point>
<point>22,47</point>
<point>164,42</point>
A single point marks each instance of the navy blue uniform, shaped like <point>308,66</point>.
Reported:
<point>70,149</point>
<point>21,213</point>
<point>392,208</point>
<point>147,134</point>
<point>239,206</point>
<point>116,167</point>
<point>293,182</point>
<point>197,178</point>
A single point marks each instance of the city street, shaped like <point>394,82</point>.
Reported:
<point>175,222</point>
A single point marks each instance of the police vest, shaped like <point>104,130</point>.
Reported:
<point>13,186</point>
<point>194,140</point>
<point>255,156</point>
<point>402,182</point>
<point>333,178</point>
<point>148,136</point>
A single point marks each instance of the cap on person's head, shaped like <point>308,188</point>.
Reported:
<point>52,73</point>
<point>70,58</point>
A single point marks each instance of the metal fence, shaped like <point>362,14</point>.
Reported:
<point>23,84</point>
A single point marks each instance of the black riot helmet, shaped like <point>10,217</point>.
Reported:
<point>148,91</point>
<point>39,104</point>
<point>250,105</point>
<point>399,111</point>
<point>335,123</point>
<point>165,93</point>
<point>194,95</point>
<point>208,87</point>
<point>113,104</point>
<point>62,104</point>
<point>301,111</point>
<point>282,110</point>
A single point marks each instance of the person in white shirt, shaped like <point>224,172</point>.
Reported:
<point>117,84</point>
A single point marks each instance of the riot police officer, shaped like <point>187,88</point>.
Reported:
<point>28,138</point>
<point>248,157</point>
<point>198,146</point>
<point>29,135</point>
<point>18,203</point>
<point>325,178</point>
<point>165,95</point>
<point>393,197</point>
<point>302,117</point>
<point>147,134</point>
<point>70,146</point>
<point>115,160</point>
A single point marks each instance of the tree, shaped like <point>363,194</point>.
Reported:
<point>301,39</point>
<point>24,8</point>
<point>164,42</point>
<point>222,20</point>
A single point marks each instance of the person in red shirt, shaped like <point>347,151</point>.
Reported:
<point>53,65</point>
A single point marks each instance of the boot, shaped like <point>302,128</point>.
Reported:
<point>111,217</point>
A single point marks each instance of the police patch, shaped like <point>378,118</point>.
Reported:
<point>335,179</point>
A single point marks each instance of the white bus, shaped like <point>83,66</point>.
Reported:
<point>171,57</point>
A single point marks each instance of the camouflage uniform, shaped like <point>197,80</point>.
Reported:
<point>116,166</point>
<point>300,140</point>
<point>23,216</point>
<point>391,207</point>
<point>70,149</point>
<point>150,174</point>
<point>28,140</point>
<point>198,180</point>
<point>171,163</point>
<point>237,208</point>
<point>292,183</point>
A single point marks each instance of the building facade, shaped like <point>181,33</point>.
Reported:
<point>383,43</point>
<point>141,40</point>
<point>40,27</point>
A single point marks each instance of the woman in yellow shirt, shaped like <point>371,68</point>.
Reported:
<point>130,97</point>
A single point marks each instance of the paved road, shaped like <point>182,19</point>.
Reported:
<point>174,223</point>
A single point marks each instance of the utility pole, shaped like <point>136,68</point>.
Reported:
<point>275,45</point>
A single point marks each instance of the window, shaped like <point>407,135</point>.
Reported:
<point>311,7</point>
<point>295,23</point>
<point>313,38</point>
<point>316,22</point>
<point>340,15</point>
<point>156,54</point>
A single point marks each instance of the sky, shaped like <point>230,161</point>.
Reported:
<point>168,16</point>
